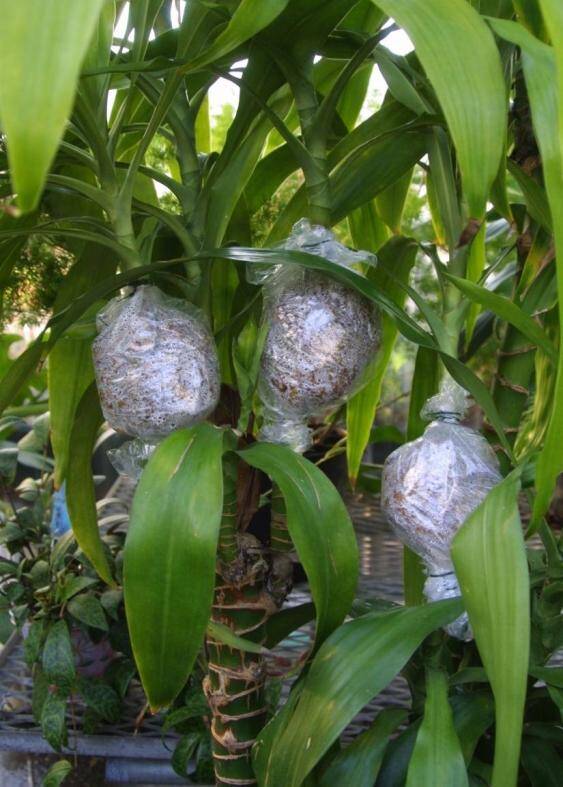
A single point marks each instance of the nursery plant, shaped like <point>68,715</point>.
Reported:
<point>94,127</point>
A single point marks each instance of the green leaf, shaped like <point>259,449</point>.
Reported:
<point>391,202</point>
<point>476,260</point>
<point>56,774</point>
<point>248,19</point>
<point>442,191</point>
<point>87,609</point>
<point>70,373</point>
<point>225,635</point>
<point>507,310</point>
<point>73,584</point>
<point>33,641</point>
<point>53,720</point>
<point>246,354</point>
<point>19,372</point>
<point>462,62</point>
<point>364,222</point>
<point>97,56</point>
<point>354,664</point>
<point>101,698</point>
<point>399,254</point>
<point>320,528</point>
<point>372,168</point>
<point>541,762</point>
<point>473,715</point>
<point>542,78</point>
<point>534,195</point>
<point>183,753</point>
<point>282,623</point>
<point>490,561</point>
<point>399,86</point>
<point>359,763</point>
<point>42,47</point>
<point>437,757</point>
<point>58,658</point>
<point>80,494</point>
<point>169,561</point>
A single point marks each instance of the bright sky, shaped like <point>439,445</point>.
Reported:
<point>225,92</point>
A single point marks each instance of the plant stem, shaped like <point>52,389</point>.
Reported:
<point>316,172</point>
<point>280,540</point>
<point>234,685</point>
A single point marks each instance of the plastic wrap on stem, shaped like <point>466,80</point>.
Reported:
<point>322,336</point>
<point>431,485</point>
<point>156,364</point>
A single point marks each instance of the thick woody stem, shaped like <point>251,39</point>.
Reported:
<point>234,685</point>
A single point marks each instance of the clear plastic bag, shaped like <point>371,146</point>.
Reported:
<point>156,364</point>
<point>431,485</point>
<point>322,336</point>
<point>131,457</point>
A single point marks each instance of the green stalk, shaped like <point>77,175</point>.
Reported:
<point>280,540</point>
<point>515,365</point>
<point>316,170</point>
<point>234,684</point>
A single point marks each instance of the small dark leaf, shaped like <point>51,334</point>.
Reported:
<point>196,708</point>
<point>87,609</point>
<point>10,532</point>
<point>74,584</point>
<point>111,600</point>
<point>32,644</point>
<point>7,567</point>
<point>8,463</point>
<point>56,774</point>
<point>101,698</point>
<point>39,574</point>
<point>119,674</point>
<point>204,773</point>
<point>53,722</point>
<point>58,658</point>
<point>183,753</point>
<point>90,722</point>
<point>280,625</point>
<point>39,693</point>
<point>541,762</point>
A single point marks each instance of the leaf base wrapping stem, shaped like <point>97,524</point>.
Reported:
<point>234,686</point>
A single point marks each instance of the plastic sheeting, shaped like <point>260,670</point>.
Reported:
<point>321,337</point>
<point>431,485</point>
<point>156,370</point>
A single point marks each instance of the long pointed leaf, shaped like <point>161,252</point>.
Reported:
<point>351,667</point>
<point>542,78</point>
<point>80,494</point>
<point>169,561</point>
<point>249,18</point>
<point>320,528</point>
<point>507,310</point>
<point>359,763</point>
<point>42,46</point>
<point>490,562</point>
<point>437,756</point>
<point>463,64</point>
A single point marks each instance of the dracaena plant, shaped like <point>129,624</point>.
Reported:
<point>476,109</point>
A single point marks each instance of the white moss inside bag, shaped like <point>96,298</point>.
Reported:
<point>156,368</point>
<point>431,485</point>
<point>321,337</point>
